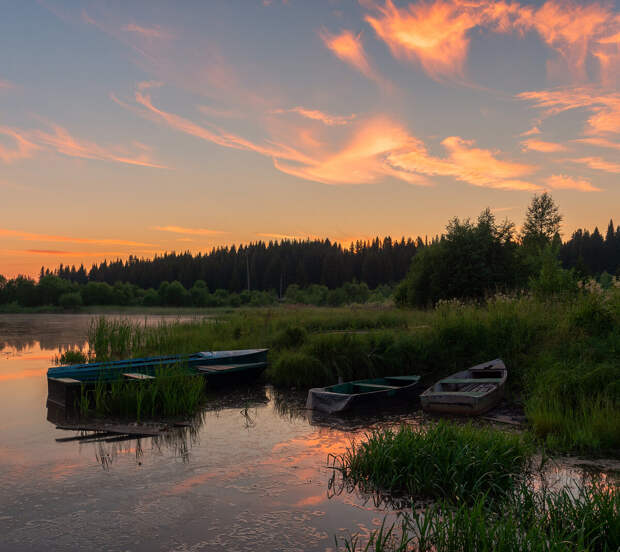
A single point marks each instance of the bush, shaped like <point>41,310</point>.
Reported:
<point>71,300</point>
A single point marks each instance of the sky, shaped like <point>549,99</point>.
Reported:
<point>143,127</point>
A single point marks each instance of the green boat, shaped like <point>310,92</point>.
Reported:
<point>470,392</point>
<point>352,394</point>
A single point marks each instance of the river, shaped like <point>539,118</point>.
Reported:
<point>251,475</point>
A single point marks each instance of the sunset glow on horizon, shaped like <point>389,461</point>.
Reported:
<point>145,127</point>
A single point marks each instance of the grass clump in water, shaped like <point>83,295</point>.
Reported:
<point>448,461</point>
<point>174,392</point>
<point>579,520</point>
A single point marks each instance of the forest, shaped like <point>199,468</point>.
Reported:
<point>472,259</point>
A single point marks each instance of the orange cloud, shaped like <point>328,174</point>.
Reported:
<point>30,236</point>
<point>603,106</point>
<point>316,115</point>
<point>216,135</point>
<point>190,231</point>
<point>467,163</point>
<point>147,32</point>
<point>66,144</point>
<point>600,142</point>
<point>437,34</point>
<point>5,84</point>
<point>563,182</point>
<point>531,132</point>
<point>542,146</point>
<point>23,149</point>
<point>348,47</point>
<point>432,33</point>
<point>598,163</point>
<point>283,236</point>
<point>363,160</point>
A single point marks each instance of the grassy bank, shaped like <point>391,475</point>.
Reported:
<point>581,520</point>
<point>563,356</point>
<point>443,461</point>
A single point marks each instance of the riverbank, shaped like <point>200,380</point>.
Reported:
<point>563,356</point>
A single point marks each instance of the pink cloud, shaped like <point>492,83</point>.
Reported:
<point>316,115</point>
<point>542,146</point>
<point>147,32</point>
<point>190,231</point>
<point>61,141</point>
<point>598,164</point>
<point>30,236</point>
<point>563,182</point>
<point>23,148</point>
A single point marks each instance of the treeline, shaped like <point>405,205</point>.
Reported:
<point>52,290</point>
<point>261,266</point>
<point>471,260</point>
<point>477,259</point>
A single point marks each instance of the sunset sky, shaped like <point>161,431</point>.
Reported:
<point>143,127</point>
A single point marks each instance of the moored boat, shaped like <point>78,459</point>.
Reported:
<point>470,392</point>
<point>149,366</point>
<point>347,395</point>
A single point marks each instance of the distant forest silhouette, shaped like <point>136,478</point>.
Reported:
<point>279,264</point>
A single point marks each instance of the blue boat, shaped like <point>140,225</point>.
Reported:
<point>214,364</point>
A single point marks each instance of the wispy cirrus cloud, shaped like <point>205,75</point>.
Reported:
<point>63,142</point>
<point>147,32</point>
<point>317,115</point>
<point>188,231</point>
<point>348,47</point>
<point>542,146</point>
<point>376,148</point>
<point>23,147</point>
<point>603,105</point>
<point>564,182</point>
<point>597,163</point>
<point>31,236</point>
<point>437,34</point>
<point>467,163</point>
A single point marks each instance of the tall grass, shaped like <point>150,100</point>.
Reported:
<point>563,356</point>
<point>550,521</point>
<point>445,460</point>
<point>173,392</point>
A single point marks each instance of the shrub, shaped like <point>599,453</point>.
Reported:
<point>71,300</point>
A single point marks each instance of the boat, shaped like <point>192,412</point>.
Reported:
<point>250,361</point>
<point>470,392</point>
<point>351,394</point>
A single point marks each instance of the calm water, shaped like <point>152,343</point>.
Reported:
<point>252,475</point>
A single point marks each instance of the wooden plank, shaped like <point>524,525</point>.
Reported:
<point>138,376</point>
<point>470,380</point>
<point>66,381</point>
<point>117,429</point>
<point>377,386</point>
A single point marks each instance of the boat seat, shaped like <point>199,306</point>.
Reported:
<point>471,380</point>
<point>376,386</point>
<point>458,393</point>
<point>66,381</point>
<point>138,376</point>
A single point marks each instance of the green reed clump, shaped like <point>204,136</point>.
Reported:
<point>446,460</point>
<point>175,391</point>
<point>585,519</point>
<point>71,356</point>
<point>592,425</point>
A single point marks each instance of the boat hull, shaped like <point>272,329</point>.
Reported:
<point>231,374</point>
<point>110,371</point>
<point>467,393</point>
<point>360,393</point>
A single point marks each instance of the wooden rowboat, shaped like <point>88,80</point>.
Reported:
<point>345,396</point>
<point>113,370</point>
<point>470,392</point>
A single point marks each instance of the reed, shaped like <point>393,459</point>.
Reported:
<point>579,520</point>
<point>444,461</point>
<point>174,392</point>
